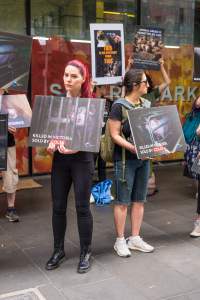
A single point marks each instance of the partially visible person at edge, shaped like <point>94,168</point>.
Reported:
<point>69,167</point>
<point>10,176</point>
<point>192,137</point>
<point>153,94</point>
<point>132,189</point>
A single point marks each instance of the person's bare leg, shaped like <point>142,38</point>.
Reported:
<point>120,213</point>
<point>137,213</point>
<point>11,199</point>
<point>135,242</point>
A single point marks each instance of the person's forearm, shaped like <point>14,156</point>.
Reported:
<point>165,76</point>
<point>123,143</point>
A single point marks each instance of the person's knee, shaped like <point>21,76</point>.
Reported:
<point>58,211</point>
<point>122,208</point>
<point>83,211</point>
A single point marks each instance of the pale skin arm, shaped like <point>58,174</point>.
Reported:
<point>12,129</point>
<point>165,76</point>
<point>115,128</point>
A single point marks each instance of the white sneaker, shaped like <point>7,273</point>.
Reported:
<point>196,230</point>
<point>137,243</point>
<point>121,248</point>
<point>92,199</point>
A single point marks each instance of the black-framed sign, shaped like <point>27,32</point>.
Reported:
<point>147,47</point>
<point>196,64</point>
<point>15,55</point>
<point>107,51</point>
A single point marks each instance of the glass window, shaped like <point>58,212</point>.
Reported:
<point>197,23</point>
<point>71,19</point>
<point>174,16</point>
<point>57,17</point>
<point>118,11</point>
<point>12,16</point>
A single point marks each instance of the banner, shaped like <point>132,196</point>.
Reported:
<point>15,51</point>
<point>18,110</point>
<point>107,51</point>
<point>147,48</point>
<point>196,64</point>
<point>3,141</point>
<point>156,131</point>
<point>76,121</point>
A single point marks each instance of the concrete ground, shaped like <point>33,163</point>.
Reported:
<point>171,272</point>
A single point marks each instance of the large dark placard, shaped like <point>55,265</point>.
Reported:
<point>18,109</point>
<point>3,141</point>
<point>196,64</point>
<point>77,121</point>
<point>156,131</point>
<point>107,50</point>
<point>15,51</point>
<point>147,48</point>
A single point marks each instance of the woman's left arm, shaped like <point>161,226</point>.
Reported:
<point>165,76</point>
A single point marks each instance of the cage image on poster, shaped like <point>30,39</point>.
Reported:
<point>147,48</point>
<point>107,46</point>
<point>3,141</point>
<point>76,121</point>
<point>156,131</point>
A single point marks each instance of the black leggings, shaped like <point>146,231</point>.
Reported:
<point>68,169</point>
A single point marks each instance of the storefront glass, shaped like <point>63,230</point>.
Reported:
<point>174,16</point>
<point>12,16</point>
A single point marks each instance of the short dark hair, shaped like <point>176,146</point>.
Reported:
<point>131,78</point>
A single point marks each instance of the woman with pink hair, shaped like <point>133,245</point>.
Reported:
<point>69,167</point>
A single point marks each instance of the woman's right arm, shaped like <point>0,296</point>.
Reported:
<point>115,129</point>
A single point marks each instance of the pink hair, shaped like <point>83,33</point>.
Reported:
<point>85,89</point>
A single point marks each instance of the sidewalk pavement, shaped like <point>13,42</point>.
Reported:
<point>171,272</point>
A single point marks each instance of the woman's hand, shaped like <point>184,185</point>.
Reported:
<point>52,147</point>
<point>62,149</point>
<point>12,129</point>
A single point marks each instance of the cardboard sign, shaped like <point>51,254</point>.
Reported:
<point>76,121</point>
<point>156,131</point>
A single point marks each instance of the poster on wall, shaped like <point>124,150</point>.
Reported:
<point>3,141</point>
<point>107,52</point>
<point>76,121</point>
<point>15,52</point>
<point>18,109</point>
<point>147,48</point>
<point>156,131</point>
<point>196,64</point>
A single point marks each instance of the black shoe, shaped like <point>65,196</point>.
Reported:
<point>11,215</point>
<point>56,259</point>
<point>84,263</point>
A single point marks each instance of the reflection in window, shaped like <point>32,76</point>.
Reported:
<point>174,16</point>
<point>12,16</point>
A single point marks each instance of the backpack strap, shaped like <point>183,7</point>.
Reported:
<point>126,105</point>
